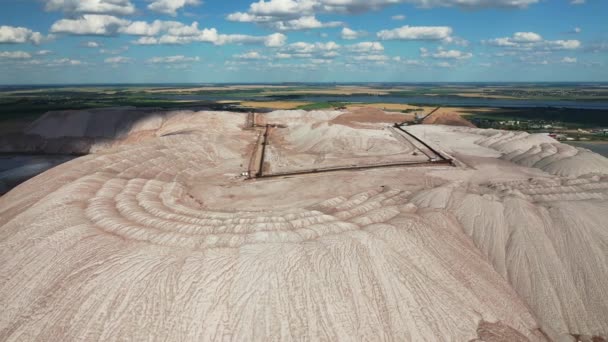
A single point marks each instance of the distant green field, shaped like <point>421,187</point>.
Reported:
<point>30,103</point>
<point>572,117</point>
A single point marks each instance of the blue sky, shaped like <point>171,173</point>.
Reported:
<point>180,41</point>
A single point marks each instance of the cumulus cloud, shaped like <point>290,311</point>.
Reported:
<point>409,62</point>
<point>44,52</point>
<point>212,36</point>
<point>275,40</point>
<point>158,31</point>
<point>371,58</point>
<point>251,55</point>
<point>17,35</point>
<point>173,59</point>
<point>366,47</point>
<point>118,7</point>
<point>532,41</point>
<point>444,65</point>
<point>569,60</point>
<point>303,23</point>
<point>398,17</point>
<point>90,24</point>
<point>292,7</point>
<point>15,55</point>
<point>309,50</point>
<point>288,24</point>
<point>349,34</point>
<point>264,11</point>
<point>445,54</point>
<point>474,3</point>
<point>577,2</point>
<point>118,60</point>
<point>91,44</point>
<point>325,52</point>
<point>416,33</point>
<point>526,37</point>
<point>64,62</point>
<point>114,51</point>
<point>170,7</point>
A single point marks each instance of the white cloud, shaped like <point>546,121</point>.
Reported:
<point>416,33</point>
<point>327,50</point>
<point>305,22</point>
<point>158,31</point>
<point>562,44</point>
<point>174,28</point>
<point>349,34</point>
<point>456,41</point>
<point>398,17</point>
<point>444,65</point>
<point>532,41</point>
<point>577,30</point>
<point>44,52</point>
<point>15,55</point>
<point>92,44</point>
<point>114,51</point>
<point>275,40</point>
<point>118,7</point>
<point>118,60</point>
<point>577,2</point>
<point>366,47</point>
<point>410,62</point>
<point>17,35</point>
<point>250,55</point>
<point>90,24</point>
<point>283,8</point>
<point>287,8</point>
<point>569,60</point>
<point>170,7</point>
<point>282,55</point>
<point>178,33</point>
<point>321,52</point>
<point>173,59</point>
<point>371,58</point>
<point>445,54</point>
<point>266,11</point>
<point>146,41</point>
<point>526,37</point>
<point>64,62</point>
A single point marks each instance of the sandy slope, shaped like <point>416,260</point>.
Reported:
<point>161,239</point>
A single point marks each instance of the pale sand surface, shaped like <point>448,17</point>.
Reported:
<point>160,238</point>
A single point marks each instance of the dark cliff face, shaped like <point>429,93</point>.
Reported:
<point>17,143</point>
<point>59,136</point>
<point>75,132</point>
<point>16,169</point>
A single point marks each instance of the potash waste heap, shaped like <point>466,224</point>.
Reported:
<point>294,225</point>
